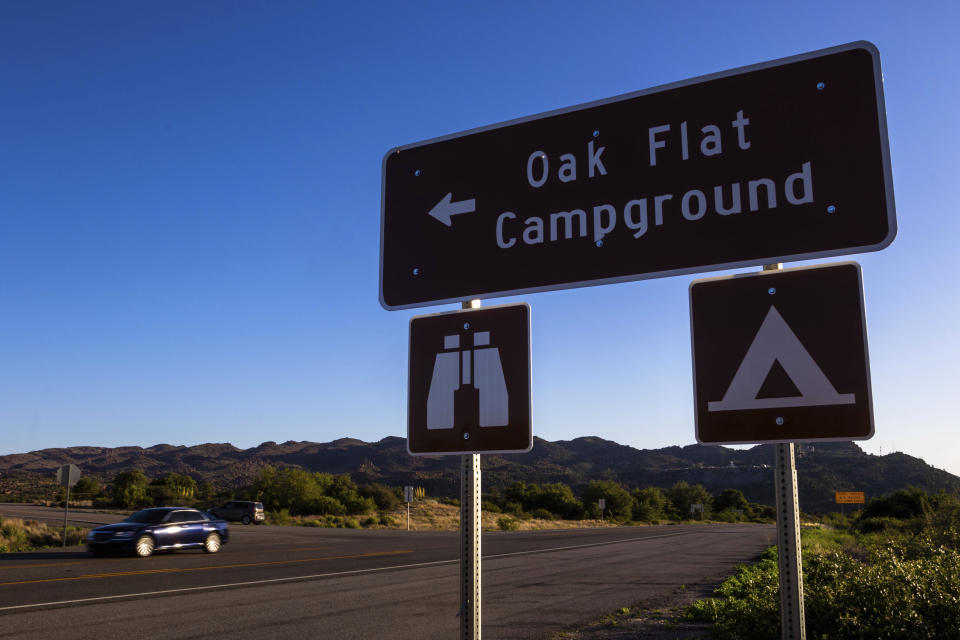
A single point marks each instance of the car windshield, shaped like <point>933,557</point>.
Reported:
<point>148,516</point>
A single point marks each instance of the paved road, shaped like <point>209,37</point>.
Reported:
<point>298,582</point>
<point>54,516</point>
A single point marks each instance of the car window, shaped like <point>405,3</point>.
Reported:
<point>147,516</point>
<point>258,506</point>
<point>185,516</point>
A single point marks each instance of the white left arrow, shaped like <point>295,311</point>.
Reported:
<point>445,209</point>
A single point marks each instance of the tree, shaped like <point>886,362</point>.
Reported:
<point>173,488</point>
<point>731,499</point>
<point>386,499</point>
<point>558,499</point>
<point>649,504</point>
<point>618,501</point>
<point>682,495</point>
<point>130,489</point>
<point>86,487</point>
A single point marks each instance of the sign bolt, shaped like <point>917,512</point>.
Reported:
<point>416,271</point>
<point>466,436</point>
<point>466,325</point>
<point>779,421</point>
<point>820,86</point>
<point>417,173</point>
<point>831,209</point>
<point>596,132</point>
<point>599,243</point>
<point>772,290</point>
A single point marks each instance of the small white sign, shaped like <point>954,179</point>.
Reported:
<point>602,503</point>
<point>408,494</point>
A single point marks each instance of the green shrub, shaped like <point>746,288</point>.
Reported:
<point>507,524</point>
<point>385,498</point>
<point>513,508</point>
<point>881,524</point>
<point>542,514</point>
<point>387,521</point>
<point>326,505</point>
<point>369,522</point>
<point>279,517</point>
<point>492,507</point>
<point>351,523</point>
<point>907,588</point>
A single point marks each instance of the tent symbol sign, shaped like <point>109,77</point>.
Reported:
<point>781,356</point>
<point>777,342</point>
<point>469,382</point>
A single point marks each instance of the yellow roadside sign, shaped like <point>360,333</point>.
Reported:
<point>849,497</point>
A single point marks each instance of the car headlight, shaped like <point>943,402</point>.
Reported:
<point>124,534</point>
<point>91,535</point>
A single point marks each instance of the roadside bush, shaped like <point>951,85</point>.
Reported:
<point>325,505</point>
<point>279,517</point>
<point>368,522</point>
<point>27,535</point>
<point>351,523</point>
<point>907,588</point>
<point>489,506</point>
<point>385,498</point>
<point>728,515</point>
<point>882,525</point>
<point>513,508</point>
<point>507,524</point>
<point>387,521</point>
<point>542,514</point>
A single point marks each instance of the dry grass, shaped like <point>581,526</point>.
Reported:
<point>430,515</point>
<point>27,535</point>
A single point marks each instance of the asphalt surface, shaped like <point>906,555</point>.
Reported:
<point>353,584</point>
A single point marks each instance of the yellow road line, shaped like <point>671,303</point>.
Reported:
<point>116,574</point>
<point>44,564</point>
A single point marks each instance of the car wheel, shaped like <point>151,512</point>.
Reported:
<point>212,543</point>
<point>245,520</point>
<point>144,546</point>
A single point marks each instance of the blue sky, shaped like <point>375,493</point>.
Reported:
<point>190,211</point>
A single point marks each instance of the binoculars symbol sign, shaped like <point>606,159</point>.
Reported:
<point>468,383</point>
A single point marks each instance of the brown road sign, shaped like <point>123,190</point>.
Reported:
<point>849,497</point>
<point>469,382</point>
<point>784,160</point>
<point>781,356</point>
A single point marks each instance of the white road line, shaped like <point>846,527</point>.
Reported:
<point>325,575</point>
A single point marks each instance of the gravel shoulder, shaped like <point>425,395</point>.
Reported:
<point>659,618</point>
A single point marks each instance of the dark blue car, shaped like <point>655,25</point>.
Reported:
<point>160,529</point>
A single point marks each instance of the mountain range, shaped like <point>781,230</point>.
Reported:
<point>822,468</point>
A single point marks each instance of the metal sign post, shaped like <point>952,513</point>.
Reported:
<point>792,622</point>
<point>67,476</point>
<point>470,529</point>
<point>408,498</point>
<point>789,557</point>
